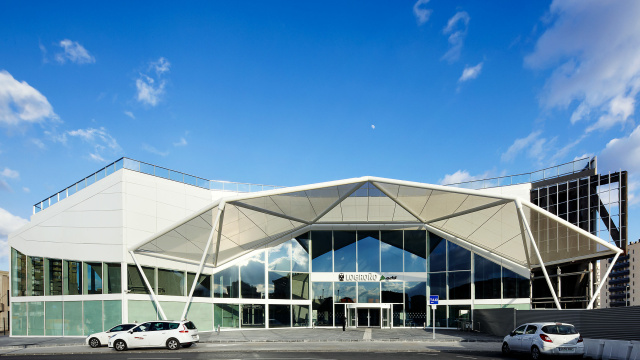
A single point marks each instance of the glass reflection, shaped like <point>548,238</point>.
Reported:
<point>459,257</point>
<point>321,243</point>
<point>438,285</point>
<point>322,304</point>
<point>459,285</point>
<point>252,277</point>
<point>391,250</point>
<point>486,278</point>
<point>344,251</point>
<point>416,303</point>
<point>280,257</point>
<point>437,253</point>
<point>398,315</point>
<point>300,315</point>
<point>368,251</point>
<point>392,292</point>
<point>225,283</point>
<point>515,286</point>
<point>252,315</point>
<point>415,247</point>
<point>300,286</point>
<point>345,292</point>
<point>279,316</point>
<point>300,252</point>
<point>279,285</point>
<point>368,292</point>
<point>458,314</point>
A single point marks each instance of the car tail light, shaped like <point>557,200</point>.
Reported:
<point>545,338</point>
<point>580,339</point>
<point>184,330</point>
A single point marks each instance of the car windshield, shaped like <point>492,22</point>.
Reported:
<point>560,329</point>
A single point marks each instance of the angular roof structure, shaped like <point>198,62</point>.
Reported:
<point>500,225</point>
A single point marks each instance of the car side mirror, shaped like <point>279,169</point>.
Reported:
<point>512,333</point>
<point>130,331</point>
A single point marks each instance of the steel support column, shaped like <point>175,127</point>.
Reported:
<point>146,282</point>
<point>602,281</point>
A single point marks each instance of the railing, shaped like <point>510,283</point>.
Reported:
<point>548,173</point>
<point>135,165</point>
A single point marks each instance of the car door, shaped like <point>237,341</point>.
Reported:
<point>139,336</point>
<point>529,337</point>
<point>515,341</point>
<point>158,333</point>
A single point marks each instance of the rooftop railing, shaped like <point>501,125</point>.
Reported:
<point>572,167</point>
<point>139,166</point>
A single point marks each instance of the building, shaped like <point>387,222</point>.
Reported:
<point>620,288</point>
<point>4,301</point>
<point>128,242</point>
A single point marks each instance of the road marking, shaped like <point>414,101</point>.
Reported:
<point>466,357</point>
<point>367,334</point>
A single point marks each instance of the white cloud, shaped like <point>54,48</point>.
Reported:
<point>457,30</point>
<point>100,141</point>
<point>8,173</point>
<point>181,142</point>
<point>19,102</point>
<point>129,114</point>
<point>422,14</point>
<point>38,143</point>
<point>534,146</point>
<point>621,153</point>
<point>470,72</point>
<point>150,90</point>
<point>26,189</point>
<point>4,186</point>
<point>74,52</point>
<point>9,222</point>
<point>593,48</point>
<point>463,176</point>
<point>373,127</point>
<point>153,150</point>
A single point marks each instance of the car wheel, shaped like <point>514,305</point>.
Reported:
<point>535,353</point>
<point>120,345</point>
<point>506,350</point>
<point>187,345</point>
<point>94,342</point>
<point>173,344</point>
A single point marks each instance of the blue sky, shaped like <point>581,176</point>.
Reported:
<point>290,93</point>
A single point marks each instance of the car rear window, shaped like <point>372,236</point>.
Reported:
<point>560,329</point>
<point>189,325</point>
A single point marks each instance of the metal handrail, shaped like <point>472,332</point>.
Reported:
<point>159,171</point>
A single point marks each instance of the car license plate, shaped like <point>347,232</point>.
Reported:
<point>566,349</point>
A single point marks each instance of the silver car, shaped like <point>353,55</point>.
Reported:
<point>544,339</point>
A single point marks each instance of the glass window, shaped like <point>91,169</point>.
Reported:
<point>458,314</point>
<point>345,292</point>
<point>415,251</point>
<point>515,286</point>
<point>252,277</point>
<point>53,268</point>
<point>300,315</point>
<point>459,285</point>
<point>141,310</point>
<point>279,285</point>
<point>112,313</point>
<point>226,283</point>
<point>368,292</point>
<point>170,282</point>
<point>36,318</point>
<point>113,277</point>
<point>321,243</point>
<point>54,320</point>
<point>135,283</point>
<point>252,316</point>
<point>279,316</point>
<point>92,317</point>
<point>280,257</point>
<point>226,315</point>
<point>203,287</point>
<point>344,250</point>
<point>438,285</point>
<point>416,303</point>
<point>35,279</point>
<point>73,278</point>
<point>369,251</point>
<point>459,257</point>
<point>392,292</point>
<point>486,278</point>
<point>300,286</point>
<point>437,253</point>
<point>203,313</point>
<point>531,329</point>
<point>391,251</point>
<point>19,277</point>
<point>520,330</point>
<point>398,315</point>
<point>73,318</point>
<point>441,316</point>
<point>94,278</point>
<point>19,318</point>
<point>322,304</point>
<point>300,252</point>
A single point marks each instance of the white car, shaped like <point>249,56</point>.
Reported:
<point>161,333</point>
<point>544,339</point>
<point>101,338</point>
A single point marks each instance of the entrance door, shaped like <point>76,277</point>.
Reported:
<point>368,317</point>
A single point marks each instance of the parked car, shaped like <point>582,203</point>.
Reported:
<point>161,333</point>
<point>544,339</point>
<point>101,338</point>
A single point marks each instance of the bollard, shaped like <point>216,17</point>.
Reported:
<point>218,329</point>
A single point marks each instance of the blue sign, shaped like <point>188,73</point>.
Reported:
<point>433,299</point>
